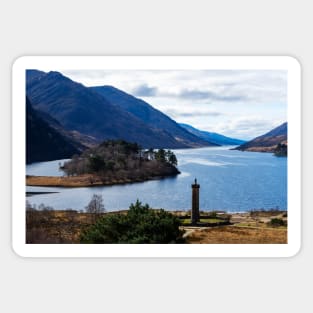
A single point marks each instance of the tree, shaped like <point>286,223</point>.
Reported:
<point>160,155</point>
<point>151,154</point>
<point>96,163</point>
<point>171,157</point>
<point>95,207</point>
<point>140,224</point>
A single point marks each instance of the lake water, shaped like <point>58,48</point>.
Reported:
<point>229,180</point>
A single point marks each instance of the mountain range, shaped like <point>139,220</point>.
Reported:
<point>154,118</point>
<point>85,110</point>
<point>65,117</point>
<point>267,142</point>
<point>216,138</point>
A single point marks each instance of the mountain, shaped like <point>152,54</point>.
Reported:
<point>213,137</point>
<point>80,140</point>
<point>84,110</point>
<point>150,116</point>
<point>268,142</point>
<point>43,142</point>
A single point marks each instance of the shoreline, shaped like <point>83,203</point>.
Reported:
<point>34,193</point>
<point>85,181</point>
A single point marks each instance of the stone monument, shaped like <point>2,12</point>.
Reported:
<point>195,213</point>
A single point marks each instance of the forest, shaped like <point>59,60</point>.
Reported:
<point>119,159</point>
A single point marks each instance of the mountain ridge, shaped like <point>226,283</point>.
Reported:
<point>81,109</point>
<point>148,114</point>
<point>213,137</point>
<point>267,142</point>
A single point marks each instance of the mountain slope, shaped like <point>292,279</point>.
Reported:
<point>213,137</point>
<point>82,109</point>
<point>267,142</point>
<point>80,140</point>
<point>43,142</point>
<point>149,115</point>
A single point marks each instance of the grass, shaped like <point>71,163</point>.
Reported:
<point>55,226</point>
<point>187,221</point>
<point>211,220</point>
<point>86,180</point>
<point>66,227</point>
<point>238,235</point>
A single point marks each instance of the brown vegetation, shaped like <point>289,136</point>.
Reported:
<point>254,227</point>
<point>55,226</point>
<point>238,235</point>
<point>268,148</point>
<point>48,226</point>
<point>87,180</point>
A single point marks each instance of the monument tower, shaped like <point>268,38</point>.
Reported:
<point>195,213</point>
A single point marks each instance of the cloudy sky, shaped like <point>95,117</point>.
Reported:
<point>237,103</point>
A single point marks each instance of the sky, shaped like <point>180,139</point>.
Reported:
<point>241,104</point>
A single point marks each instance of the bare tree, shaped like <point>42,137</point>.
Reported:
<point>95,207</point>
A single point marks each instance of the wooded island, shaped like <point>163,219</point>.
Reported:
<point>112,162</point>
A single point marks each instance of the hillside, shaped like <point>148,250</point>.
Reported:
<point>150,116</point>
<point>215,138</point>
<point>43,142</point>
<point>268,142</point>
<point>83,110</point>
<point>80,140</point>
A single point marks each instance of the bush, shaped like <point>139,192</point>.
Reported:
<point>276,222</point>
<point>140,224</point>
<point>213,214</point>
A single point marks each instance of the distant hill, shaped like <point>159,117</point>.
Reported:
<point>150,116</point>
<point>213,137</point>
<point>84,110</point>
<point>267,142</point>
<point>43,142</point>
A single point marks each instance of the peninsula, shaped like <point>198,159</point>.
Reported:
<point>112,162</point>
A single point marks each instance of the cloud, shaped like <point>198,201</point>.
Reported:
<point>179,113</point>
<point>253,87</point>
<point>145,91</point>
<point>238,103</point>
<point>208,95</point>
<point>186,94</point>
<point>246,127</point>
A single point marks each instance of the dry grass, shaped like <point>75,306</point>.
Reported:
<point>66,227</point>
<point>72,181</point>
<point>55,226</point>
<point>58,226</point>
<point>238,235</point>
<point>248,228</point>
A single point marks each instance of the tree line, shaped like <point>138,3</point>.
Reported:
<point>118,159</point>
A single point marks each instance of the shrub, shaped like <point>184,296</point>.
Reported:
<point>276,222</point>
<point>140,224</point>
<point>213,214</point>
